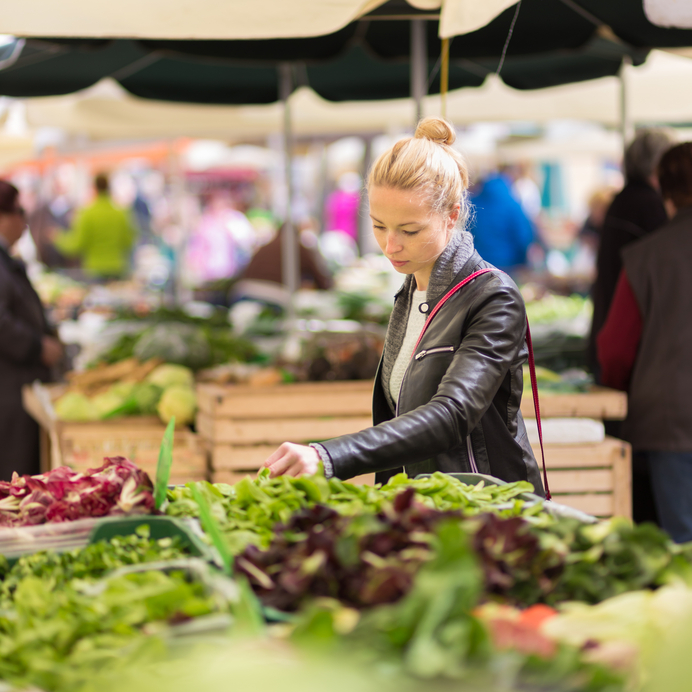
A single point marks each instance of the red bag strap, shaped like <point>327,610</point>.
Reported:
<point>532,362</point>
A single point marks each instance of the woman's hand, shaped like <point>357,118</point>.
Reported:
<point>293,460</point>
<point>51,351</point>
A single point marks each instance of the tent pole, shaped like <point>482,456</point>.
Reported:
<point>626,128</point>
<point>364,224</point>
<point>290,268</point>
<point>419,66</point>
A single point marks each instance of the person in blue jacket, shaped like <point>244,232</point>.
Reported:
<point>502,232</point>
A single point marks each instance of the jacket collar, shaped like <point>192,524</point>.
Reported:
<point>453,261</point>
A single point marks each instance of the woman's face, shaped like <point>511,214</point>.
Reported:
<point>411,235</point>
<point>12,225</point>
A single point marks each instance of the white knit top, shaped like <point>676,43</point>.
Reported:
<point>414,326</point>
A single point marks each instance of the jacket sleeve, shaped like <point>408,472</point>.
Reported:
<point>72,242</point>
<point>20,343</point>
<point>618,340</point>
<point>492,339</point>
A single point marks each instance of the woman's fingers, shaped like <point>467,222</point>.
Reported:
<point>292,460</point>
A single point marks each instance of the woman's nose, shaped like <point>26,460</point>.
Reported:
<point>393,244</point>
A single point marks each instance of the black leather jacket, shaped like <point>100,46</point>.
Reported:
<point>464,381</point>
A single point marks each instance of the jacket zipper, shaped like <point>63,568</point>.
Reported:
<point>438,349</point>
<point>472,458</point>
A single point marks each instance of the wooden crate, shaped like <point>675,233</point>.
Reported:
<point>242,425</point>
<point>296,400</point>
<point>600,403</point>
<point>595,478</point>
<point>84,445</point>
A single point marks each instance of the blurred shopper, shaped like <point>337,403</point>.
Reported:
<point>341,212</point>
<point>102,236</point>
<point>635,212</point>
<point>265,265</point>
<point>222,243</point>
<point>644,347</point>
<point>524,189</point>
<point>501,230</point>
<point>28,347</point>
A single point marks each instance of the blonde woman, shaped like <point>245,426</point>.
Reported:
<point>447,394</point>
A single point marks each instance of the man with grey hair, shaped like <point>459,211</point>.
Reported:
<point>635,212</point>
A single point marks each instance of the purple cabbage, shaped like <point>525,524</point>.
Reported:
<point>118,487</point>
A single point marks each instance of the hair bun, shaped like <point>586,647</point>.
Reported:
<point>436,130</point>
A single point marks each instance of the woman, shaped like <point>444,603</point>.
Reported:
<point>28,348</point>
<point>644,347</point>
<point>451,402</point>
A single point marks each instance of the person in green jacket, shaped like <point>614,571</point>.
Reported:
<point>102,236</point>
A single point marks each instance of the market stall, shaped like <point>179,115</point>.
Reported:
<point>109,583</point>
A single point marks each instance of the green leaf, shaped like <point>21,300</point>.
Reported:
<point>163,467</point>
<point>212,528</point>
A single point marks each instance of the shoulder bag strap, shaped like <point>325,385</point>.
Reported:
<point>532,362</point>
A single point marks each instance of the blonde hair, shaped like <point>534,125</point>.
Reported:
<point>427,163</point>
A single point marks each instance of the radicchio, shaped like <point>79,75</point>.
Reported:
<point>117,487</point>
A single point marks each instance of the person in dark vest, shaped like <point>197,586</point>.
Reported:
<point>636,211</point>
<point>28,346</point>
<point>645,347</point>
<point>448,392</point>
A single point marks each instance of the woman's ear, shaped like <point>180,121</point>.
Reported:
<point>453,217</point>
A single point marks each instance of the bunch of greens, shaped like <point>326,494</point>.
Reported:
<point>249,510</point>
<point>613,557</point>
<point>362,561</point>
<point>552,308</point>
<point>90,562</point>
<point>57,639</point>
<point>193,343</point>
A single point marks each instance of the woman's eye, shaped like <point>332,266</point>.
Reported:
<point>378,228</point>
<point>409,233</point>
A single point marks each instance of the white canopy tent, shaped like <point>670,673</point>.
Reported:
<point>230,19</point>
<point>106,111</point>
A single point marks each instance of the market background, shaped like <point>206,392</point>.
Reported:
<point>265,119</point>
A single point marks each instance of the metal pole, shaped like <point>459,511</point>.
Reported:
<point>419,65</point>
<point>626,128</point>
<point>364,224</point>
<point>290,258</point>
<point>444,75</point>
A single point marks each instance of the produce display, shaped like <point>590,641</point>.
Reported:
<point>174,336</point>
<point>559,328</point>
<point>552,308</point>
<point>130,388</point>
<point>422,581</point>
<point>568,382</point>
<point>115,488</point>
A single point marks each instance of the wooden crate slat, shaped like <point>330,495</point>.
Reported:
<point>593,480</point>
<point>581,455</point>
<point>225,456</point>
<point>597,505</point>
<point>600,403</point>
<point>278,430</point>
<point>622,483</point>
<point>328,399</point>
